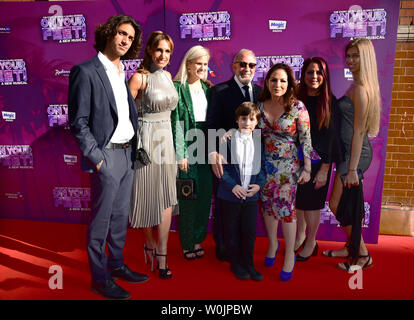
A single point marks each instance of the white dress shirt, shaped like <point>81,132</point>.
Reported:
<point>244,156</point>
<point>124,130</point>
<point>241,85</point>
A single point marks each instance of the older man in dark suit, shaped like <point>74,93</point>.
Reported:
<point>225,98</point>
<point>103,119</point>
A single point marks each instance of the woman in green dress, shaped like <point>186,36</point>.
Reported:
<point>189,132</point>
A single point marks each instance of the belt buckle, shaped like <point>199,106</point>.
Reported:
<point>126,145</point>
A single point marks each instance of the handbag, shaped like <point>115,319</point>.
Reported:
<point>186,189</point>
<point>142,155</point>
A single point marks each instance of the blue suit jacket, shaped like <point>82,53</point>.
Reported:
<point>93,114</point>
<point>231,174</point>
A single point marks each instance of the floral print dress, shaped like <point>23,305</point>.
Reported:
<point>282,139</point>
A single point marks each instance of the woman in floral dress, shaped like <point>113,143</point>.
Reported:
<point>285,127</point>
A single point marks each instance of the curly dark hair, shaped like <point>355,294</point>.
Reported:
<point>107,31</point>
<point>290,97</point>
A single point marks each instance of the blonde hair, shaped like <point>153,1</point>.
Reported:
<point>191,55</point>
<point>368,78</point>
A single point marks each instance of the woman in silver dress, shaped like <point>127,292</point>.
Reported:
<point>154,189</point>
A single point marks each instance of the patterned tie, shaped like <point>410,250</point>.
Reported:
<point>246,93</point>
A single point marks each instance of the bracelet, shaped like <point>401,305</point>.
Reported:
<point>307,171</point>
<point>352,170</point>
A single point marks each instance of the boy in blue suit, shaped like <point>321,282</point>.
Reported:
<point>238,189</point>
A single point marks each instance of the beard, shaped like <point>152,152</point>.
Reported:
<point>244,81</point>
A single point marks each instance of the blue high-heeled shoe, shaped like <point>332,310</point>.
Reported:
<point>269,262</point>
<point>286,276</point>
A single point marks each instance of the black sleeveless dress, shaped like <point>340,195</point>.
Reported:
<point>325,143</point>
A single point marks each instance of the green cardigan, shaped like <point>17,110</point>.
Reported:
<point>182,117</point>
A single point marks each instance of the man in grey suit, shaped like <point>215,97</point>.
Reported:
<point>103,119</point>
<point>225,98</point>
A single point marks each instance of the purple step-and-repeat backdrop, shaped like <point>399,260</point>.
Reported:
<point>40,170</point>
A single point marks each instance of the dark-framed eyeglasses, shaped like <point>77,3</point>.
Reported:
<point>245,64</point>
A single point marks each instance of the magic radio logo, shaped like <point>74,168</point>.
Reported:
<point>369,23</point>
<point>70,159</point>
<point>69,28</point>
<point>13,72</point>
<point>131,66</point>
<point>72,198</point>
<point>264,63</point>
<point>8,116</point>
<point>205,26</point>
<point>16,157</point>
<point>277,25</point>
<point>58,115</point>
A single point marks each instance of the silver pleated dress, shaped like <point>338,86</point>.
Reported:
<point>154,187</point>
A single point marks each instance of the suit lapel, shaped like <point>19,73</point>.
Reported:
<point>188,102</point>
<point>256,92</point>
<point>237,91</point>
<point>206,92</point>
<point>107,85</point>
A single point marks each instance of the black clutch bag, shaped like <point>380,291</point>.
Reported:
<point>186,189</point>
<point>142,156</point>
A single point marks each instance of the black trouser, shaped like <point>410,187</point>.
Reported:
<point>218,220</point>
<point>111,189</point>
<point>239,222</point>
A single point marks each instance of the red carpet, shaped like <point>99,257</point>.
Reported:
<point>29,248</point>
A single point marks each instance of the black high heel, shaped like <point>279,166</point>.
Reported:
<point>150,256</point>
<point>163,273</point>
<point>315,250</point>
<point>301,245</point>
<point>314,253</point>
